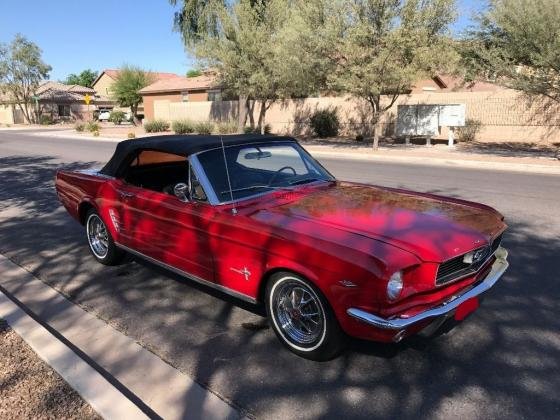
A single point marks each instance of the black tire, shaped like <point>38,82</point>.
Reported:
<point>314,337</point>
<point>112,255</point>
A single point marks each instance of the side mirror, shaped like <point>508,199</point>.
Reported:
<point>181,191</point>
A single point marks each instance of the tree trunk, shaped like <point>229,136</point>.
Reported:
<point>262,117</point>
<point>374,102</point>
<point>251,112</point>
<point>25,112</point>
<point>133,111</point>
<point>241,112</point>
<point>375,137</point>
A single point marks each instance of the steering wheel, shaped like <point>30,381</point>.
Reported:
<point>275,175</point>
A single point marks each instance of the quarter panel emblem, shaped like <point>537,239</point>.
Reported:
<point>245,272</point>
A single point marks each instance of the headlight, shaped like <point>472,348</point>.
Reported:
<point>394,286</point>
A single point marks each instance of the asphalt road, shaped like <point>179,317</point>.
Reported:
<point>503,362</point>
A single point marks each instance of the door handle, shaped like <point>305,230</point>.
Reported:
<point>125,195</point>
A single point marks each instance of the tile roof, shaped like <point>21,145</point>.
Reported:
<point>180,83</point>
<point>55,91</point>
<point>61,87</point>
<point>114,73</point>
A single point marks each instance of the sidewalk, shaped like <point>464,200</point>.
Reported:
<point>113,373</point>
<point>439,156</point>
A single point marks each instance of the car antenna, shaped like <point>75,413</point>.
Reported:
<point>233,209</point>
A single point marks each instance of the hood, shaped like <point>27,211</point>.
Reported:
<point>431,227</point>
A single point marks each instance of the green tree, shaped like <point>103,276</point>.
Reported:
<point>126,86</point>
<point>194,73</point>
<point>381,47</point>
<point>21,71</point>
<point>517,44</point>
<point>196,19</point>
<point>85,78</point>
<point>252,48</point>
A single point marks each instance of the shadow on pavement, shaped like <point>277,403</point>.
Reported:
<point>502,362</point>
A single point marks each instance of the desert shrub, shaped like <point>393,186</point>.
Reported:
<point>131,135</point>
<point>79,127</point>
<point>325,123</point>
<point>469,131</point>
<point>256,130</point>
<point>204,127</point>
<point>92,126</point>
<point>156,126</point>
<point>182,126</point>
<point>117,117</point>
<point>227,127</point>
<point>45,120</point>
<point>95,133</point>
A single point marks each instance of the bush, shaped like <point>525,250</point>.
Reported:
<point>469,131</point>
<point>45,120</point>
<point>249,130</point>
<point>79,127</point>
<point>92,126</point>
<point>156,126</point>
<point>95,133</point>
<point>359,138</point>
<point>183,126</point>
<point>117,117</point>
<point>325,123</point>
<point>204,127</point>
<point>131,135</point>
<point>227,127</point>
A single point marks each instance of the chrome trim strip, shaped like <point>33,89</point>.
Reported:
<point>498,269</point>
<point>203,179</point>
<point>211,194</point>
<point>94,172</point>
<point>175,270</point>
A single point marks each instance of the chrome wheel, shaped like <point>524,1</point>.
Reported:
<point>98,237</point>
<point>298,313</point>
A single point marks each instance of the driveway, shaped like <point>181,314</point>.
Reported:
<point>503,362</point>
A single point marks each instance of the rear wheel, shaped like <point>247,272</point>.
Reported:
<point>302,318</point>
<point>100,241</point>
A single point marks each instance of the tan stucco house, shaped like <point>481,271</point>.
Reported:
<point>58,101</point>
<point>180,89</point>
<point>102,87</point>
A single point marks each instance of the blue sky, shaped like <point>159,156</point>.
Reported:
<point>75,34</point>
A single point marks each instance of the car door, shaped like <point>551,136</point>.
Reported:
<point>166,229</point>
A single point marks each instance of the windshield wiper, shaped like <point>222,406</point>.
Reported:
<point>306,181</point>
<point>252,187</point>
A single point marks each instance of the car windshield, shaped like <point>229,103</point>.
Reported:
<point>255,169</point>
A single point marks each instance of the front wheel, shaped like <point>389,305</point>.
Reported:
<point>302,318</point>
<point>100,241</point>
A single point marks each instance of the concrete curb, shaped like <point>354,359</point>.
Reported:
<point>156,388</point>
<point>104,398</point>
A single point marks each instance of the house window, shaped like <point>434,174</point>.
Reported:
<point>63,110</point>
<point>185,96</point>
<point>214,95</point>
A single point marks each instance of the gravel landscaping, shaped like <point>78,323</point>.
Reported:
<point>29,388</point>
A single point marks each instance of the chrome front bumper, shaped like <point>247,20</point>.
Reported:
<point>447,308</point>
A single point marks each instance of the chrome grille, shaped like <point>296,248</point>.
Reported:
<point>456,268</point>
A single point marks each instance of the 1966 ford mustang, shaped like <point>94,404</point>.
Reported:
<point>258,218</point>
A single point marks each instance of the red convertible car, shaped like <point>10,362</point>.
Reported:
<point>258,218</point>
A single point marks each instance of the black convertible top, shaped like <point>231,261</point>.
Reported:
<point>181,145</point>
